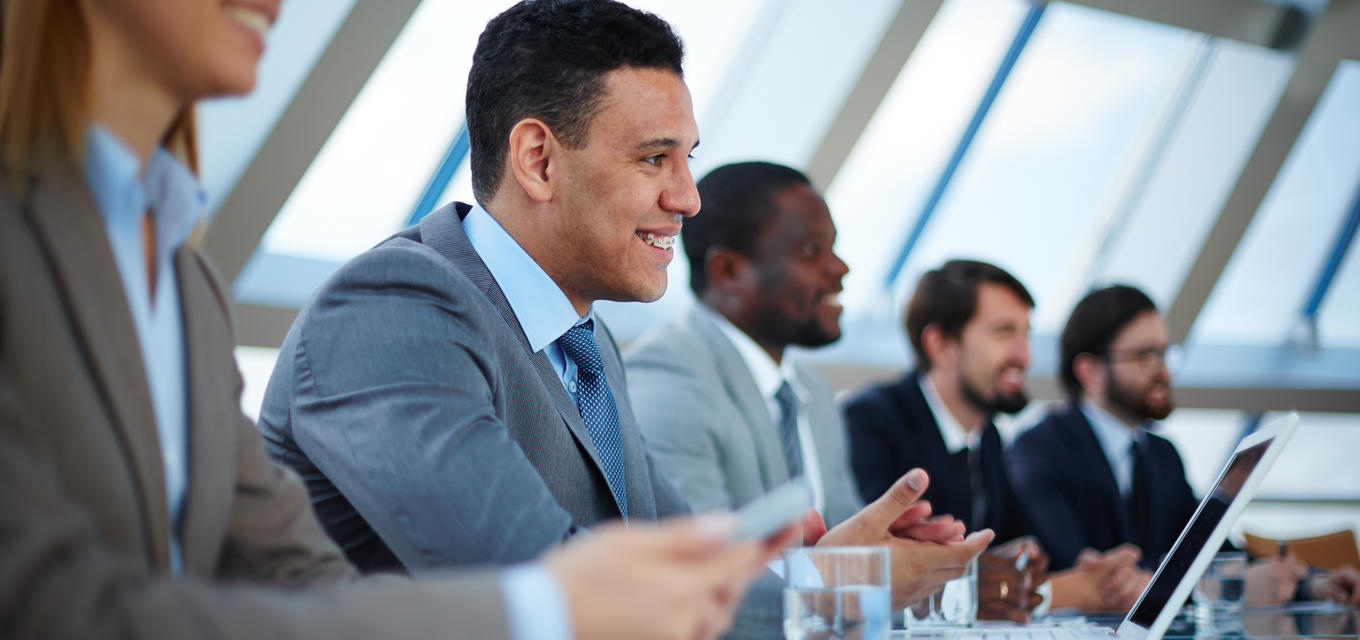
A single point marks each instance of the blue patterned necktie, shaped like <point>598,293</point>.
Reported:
<point>788,428</point>
<point>596,403</point>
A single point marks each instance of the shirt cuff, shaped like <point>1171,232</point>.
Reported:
<point>535,607</point>
<point>1046,591</point>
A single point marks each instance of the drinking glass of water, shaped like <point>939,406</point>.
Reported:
<point>1220,590</point>
<point>955,605</point>
<point>837,593</point>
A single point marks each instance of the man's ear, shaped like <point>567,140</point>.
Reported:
<point>727,270</point>
<point>934,343</point>
<point>1090,373</point>
<point>532,147</point>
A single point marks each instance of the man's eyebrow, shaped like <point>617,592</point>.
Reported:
<point>663,143</point>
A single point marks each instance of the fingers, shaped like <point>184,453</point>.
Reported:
<point>937,529</point>
<point>787,537</point>
<point>976,541</point>
<point>814,527</point>
<point>917,512</point>
<point>998,610</point>
<point>883,512</point>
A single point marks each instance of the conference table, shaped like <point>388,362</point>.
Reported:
<point>1295,620</point>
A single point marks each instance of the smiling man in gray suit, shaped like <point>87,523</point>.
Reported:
<point>742,418</point>
<point>449,396</point>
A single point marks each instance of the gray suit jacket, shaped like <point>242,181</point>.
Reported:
<point>711,430</point>
<point>84,523</point>
<point>428,433</point>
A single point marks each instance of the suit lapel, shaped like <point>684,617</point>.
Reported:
<point>211,473</point>
<point>67,222</point>
<point>741,387</point>
<point>952,496</point>
<point>1096,469</point>
<point>442,230</point>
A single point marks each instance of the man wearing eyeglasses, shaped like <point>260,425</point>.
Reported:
<point>1092,474</point>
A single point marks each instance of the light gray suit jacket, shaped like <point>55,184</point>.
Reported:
<point>710,429</point>
<point>84,524</point>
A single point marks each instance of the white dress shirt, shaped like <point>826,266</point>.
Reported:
<point>956,438</point>
<point>768,377</point>
<point>1114,436</point>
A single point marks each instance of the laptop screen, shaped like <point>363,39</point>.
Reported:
<point>1194,536</point>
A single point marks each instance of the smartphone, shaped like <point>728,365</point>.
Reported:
<point>766,515</point>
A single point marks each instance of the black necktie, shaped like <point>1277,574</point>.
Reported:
<point>788,428</point>
<point>596,403</point>
<point>970,463</point>
<point>1138,498</point>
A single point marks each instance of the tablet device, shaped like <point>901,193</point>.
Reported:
<point>773,511</point>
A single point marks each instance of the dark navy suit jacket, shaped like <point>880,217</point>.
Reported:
<point>1062,476</point>
<point>892,430</point>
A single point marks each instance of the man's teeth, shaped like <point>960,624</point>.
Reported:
<point>660,242</point>
<point>832,300</point>
<point>250,18</point>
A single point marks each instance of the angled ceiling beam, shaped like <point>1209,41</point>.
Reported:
<point>1331,40</point>
<point>1255,22</point>
<point>896,45</point>
<point>350,58</point>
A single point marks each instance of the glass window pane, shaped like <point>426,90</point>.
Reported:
<point>231,130</point>
<point>898,158</point>
<point>1319,461</point>
<point>1260,296</point>
<point>1054,153</point>
<point>366,178</point>
<point>1198,169</point>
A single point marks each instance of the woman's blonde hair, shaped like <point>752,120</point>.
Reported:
<point>44,72</point>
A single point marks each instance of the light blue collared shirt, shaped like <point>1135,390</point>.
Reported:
<point>535,606</point>
<point>172,196</point>
<point>1114,436</point>
<point>541,307</point>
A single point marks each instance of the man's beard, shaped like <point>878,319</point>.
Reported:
<point>1003,402</point>
<point>1130,401</point>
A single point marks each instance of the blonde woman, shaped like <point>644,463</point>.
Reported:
<point>135,499</point>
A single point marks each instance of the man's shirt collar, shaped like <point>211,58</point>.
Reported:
<point>768,375</point>
<point>956,439</point>
<point>543,310</point>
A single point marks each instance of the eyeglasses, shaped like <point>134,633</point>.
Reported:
<point>1149,358</point>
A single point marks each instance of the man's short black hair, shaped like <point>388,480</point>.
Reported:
<point>1095,323</point>
<point>547,59</point>
<point>738,201</point>
<point>947,298</point>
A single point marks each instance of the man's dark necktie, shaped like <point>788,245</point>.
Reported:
<point>788,428</point>
<point>596,403</point>
<point>969,461</point>
<point>1139,505</point>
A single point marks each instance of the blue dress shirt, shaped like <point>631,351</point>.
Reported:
<point>172,196</point>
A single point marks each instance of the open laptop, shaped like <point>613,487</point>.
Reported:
<point>1199,541</point>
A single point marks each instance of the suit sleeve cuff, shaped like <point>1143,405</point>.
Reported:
<point>536,608</point>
